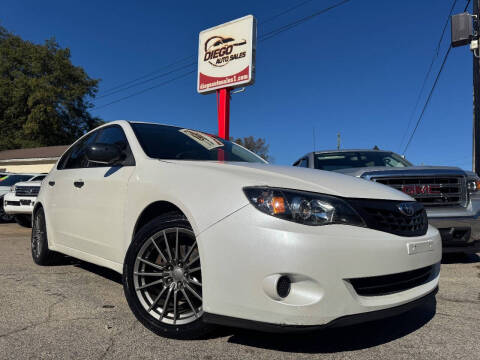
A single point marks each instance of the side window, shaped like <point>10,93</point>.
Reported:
<point>76,158</point>
<point>303,163</point>
<point>114,135</point>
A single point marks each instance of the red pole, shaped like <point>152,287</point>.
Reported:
<point>223,113</point>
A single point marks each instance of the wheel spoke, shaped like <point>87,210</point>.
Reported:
<point>189,252</point>
<point>175,307</point>
<point>176,244</point>
<point>139,273</point>
<point>166,303</point>
<point>166,244</point>
<point>189,302</point>
<point>156,299</point>
<point>149,284</point>
<point>194,269</point>
<point>194,281</point>
<point>193,292</point>
<point>156,266</point>
<point>158,249</point>
<point>193,261</point>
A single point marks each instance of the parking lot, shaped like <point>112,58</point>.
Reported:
<point>77,310</point>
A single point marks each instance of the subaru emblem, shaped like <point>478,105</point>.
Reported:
<point>407,209</point>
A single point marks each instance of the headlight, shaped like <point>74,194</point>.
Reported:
<point>303,207</point>
<point>12,188</point>
<point>473,185</point>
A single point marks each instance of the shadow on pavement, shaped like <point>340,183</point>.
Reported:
<point>460,258</point>
<point>333,340</point>
<point>103,272</point>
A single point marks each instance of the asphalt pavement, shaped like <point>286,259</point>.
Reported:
<point>75,310</point>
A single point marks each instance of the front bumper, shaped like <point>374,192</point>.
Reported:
<point>18,205</point>
<point>242,253</point>
<point>347,320</point>
<point>459,227</point>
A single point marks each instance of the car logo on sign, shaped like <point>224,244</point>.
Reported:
<point>407,209</point>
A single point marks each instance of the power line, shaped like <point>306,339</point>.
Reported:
<point>264,37</point>
<point>147,80</point>
<point>427,75</point>
<point>428,99</point>
<point>175,62</point>
<point>286,11</point>
<point>293,24</point>
<point>145,90</point>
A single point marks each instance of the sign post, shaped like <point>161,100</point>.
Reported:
<point>223,104</point>
<point>226,60</point>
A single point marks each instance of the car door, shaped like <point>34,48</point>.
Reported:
<point>62,194</point>
<point>100,196</point>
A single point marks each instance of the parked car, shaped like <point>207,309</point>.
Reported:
<point>7,180</point>
<point>450,195</point>
<point>206,232</point>
<point>19,201</point>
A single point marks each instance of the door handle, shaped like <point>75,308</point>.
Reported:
<point>78,183</point>
<point>51,183</point>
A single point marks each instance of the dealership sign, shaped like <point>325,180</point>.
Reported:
<point>226,55</point>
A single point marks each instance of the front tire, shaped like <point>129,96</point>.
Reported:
<point>162,278</point>
<point>41,255</point>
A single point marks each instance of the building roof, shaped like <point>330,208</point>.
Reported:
<point>47,152</point>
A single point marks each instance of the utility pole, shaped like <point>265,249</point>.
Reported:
<point>476,92</point>
<point>338,138</point>
<point>466,31</point>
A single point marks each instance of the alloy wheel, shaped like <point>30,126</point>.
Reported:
<point>167,276</point>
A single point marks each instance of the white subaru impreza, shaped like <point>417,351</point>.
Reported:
<point>206,232</point>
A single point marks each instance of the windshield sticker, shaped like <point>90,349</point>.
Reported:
<point>207,141</point>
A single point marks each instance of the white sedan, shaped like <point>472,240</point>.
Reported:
<point>205,232</point>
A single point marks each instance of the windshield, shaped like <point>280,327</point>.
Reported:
<point>173,143</point>
<point>38,178</point>
<point>10,180</point>
<point>354,159</point>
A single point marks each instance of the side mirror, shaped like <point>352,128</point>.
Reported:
<point>103,153</point>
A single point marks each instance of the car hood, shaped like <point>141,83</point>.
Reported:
<point>373,171</point>
<point>257,174</point>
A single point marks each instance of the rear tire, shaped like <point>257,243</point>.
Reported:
<point>24,220</point>
<point>41,255</point>
<point>168,298</point>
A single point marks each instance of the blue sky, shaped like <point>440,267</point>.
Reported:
<point>356,70</point>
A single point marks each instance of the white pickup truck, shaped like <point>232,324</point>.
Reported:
<point>19,201</point>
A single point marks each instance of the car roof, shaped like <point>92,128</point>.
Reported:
<point>349,150</point>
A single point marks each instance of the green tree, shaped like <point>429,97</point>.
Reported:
<point>44,98</point>
<point>258,146</point>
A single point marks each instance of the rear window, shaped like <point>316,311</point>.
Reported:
<point>10,180</point>
<point>355,159</point>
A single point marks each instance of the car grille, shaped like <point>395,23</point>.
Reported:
<point>384,215</point>
<point>389,284</point>
<point>431,190</point>
<point>27,191</point>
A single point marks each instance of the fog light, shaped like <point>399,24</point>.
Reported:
<point>283,286</point>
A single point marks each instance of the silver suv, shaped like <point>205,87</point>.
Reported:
<point>450,195</point>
